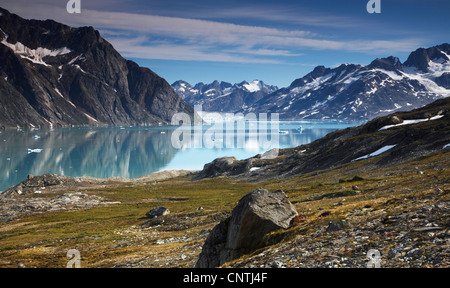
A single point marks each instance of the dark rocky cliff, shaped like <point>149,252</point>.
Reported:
<point>55,75</point>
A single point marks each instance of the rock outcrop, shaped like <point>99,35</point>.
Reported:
<point>257,214</point>
<point>13,208</point>
<point>216,167</point>
<point>36,183</point>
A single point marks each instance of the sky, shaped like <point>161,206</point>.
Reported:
<point>273,41</point>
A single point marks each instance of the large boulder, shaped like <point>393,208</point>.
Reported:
<point>257,214</point>
<point>157,212</point>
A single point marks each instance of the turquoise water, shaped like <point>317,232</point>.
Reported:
<point>130,152</point>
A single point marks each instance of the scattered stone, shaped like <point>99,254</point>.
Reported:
<point>428,229</point>
<point>278,264</point>
<point>157,212</point>
<point>13,208</point>
<point>334,226</point>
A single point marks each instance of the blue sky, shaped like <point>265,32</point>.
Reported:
<point>273,41</point>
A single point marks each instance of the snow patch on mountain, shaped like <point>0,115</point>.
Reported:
<point>223,96</point>
<point>254,86</point>
<point>34,55</point>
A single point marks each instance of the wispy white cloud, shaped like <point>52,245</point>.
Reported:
<point>197,38</point>
<point>177,38</point>
<point>279,14</point>
<point>137,48</point>
<point>267,52</point>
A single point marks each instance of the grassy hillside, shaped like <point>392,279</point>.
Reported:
<point>394,200</point>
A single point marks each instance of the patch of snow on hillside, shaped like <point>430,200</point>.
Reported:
<point>391,74</point>
<point>378,152</point>
<point>407,122</point>
<point>316,83</point>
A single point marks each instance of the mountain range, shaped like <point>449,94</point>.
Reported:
<point>347,92</point>
<point>53,75</point>
<point>223,96</point>
<point>357,92</point>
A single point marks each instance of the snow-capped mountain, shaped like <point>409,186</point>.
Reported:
<point>223,96</point>
<point>363,92</point>
<point>55,75</point>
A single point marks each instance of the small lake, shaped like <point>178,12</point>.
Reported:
<point>131,152</point>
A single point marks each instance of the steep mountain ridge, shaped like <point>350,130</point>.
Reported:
<point>358,92</point>
<point>223,96</point>
<point>55,75</point>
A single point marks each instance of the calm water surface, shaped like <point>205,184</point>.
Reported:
<point>127,152</point>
